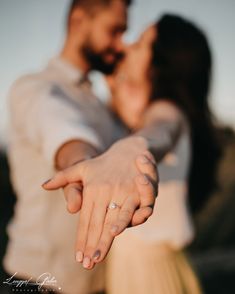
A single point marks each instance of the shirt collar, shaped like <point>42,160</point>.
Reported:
<point>67,70</point>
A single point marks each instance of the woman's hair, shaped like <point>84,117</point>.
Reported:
<point>182,65</point>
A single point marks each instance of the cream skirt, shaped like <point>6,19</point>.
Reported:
<point>137,267</point>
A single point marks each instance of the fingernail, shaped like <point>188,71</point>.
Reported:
<point>144,159</point>
<point>79,256</point>
<point>143,180</point>
<point>96,255</point>
<point>86,262</point>
<point>114,229</point>
<point>46,182</point>
<point>153,161</point>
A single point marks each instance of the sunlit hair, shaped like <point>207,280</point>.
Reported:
<point>182,64</point>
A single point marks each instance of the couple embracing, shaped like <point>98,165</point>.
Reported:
<point>108,158</point>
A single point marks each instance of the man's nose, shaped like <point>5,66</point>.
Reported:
<point>119,45</point>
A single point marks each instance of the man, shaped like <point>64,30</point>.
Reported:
<point>55,122</point>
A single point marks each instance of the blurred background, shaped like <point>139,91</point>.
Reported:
<point>32,32</point>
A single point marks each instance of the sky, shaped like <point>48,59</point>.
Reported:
<point>32,31</point>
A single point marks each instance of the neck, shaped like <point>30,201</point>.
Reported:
<point>73,56</point>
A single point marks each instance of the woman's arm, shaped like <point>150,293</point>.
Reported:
<point>161,127</point>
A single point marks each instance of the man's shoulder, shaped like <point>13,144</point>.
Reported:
<point>29,81</point>
<point>26,91</point>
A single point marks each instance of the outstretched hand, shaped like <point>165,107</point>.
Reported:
<point>113,191</point>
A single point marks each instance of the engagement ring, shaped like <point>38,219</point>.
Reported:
<point>113,205</point>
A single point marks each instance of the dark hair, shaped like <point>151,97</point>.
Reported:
<point>182,61</point>
<point>90,4</point>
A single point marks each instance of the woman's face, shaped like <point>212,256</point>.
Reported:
<point>139,55</point>
<point>132,87</point>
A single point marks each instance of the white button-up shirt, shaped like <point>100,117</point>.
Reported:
<point>48,109</point>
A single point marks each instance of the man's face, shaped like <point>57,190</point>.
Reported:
<point>103,47</point>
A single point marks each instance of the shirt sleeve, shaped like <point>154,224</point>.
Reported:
<point>49,119</point>
<point>167,132</point>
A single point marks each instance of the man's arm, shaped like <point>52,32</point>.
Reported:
<point>68,154</point>
<point>72,152</point>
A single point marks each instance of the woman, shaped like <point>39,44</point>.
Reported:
<point>168,72</point>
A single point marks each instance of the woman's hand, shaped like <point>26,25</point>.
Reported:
<point>112,177</point>
<point>129,101</point>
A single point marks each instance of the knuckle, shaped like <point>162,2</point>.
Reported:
<point>150,156</point>
<point>89,250</point>
<point>151,169</point>
<point>102,246</point>
<point>147,153</point>
<point>125,215</point>
<point>147,198</point>
<point>64,174</point>
<point>93,227</point>
<point>105,187</point>
<point>88,188</point>
<point>89,191</point>
<point>108,224</point>
<point>149,190</point>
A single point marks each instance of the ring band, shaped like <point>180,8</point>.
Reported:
<point>113,205</point>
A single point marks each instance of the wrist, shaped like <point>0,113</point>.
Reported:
<point>135,145</point>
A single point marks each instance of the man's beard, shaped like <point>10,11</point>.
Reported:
<point>97,60</point>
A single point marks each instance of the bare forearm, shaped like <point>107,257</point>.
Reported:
<point>72,152</point>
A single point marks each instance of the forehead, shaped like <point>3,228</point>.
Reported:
<point>114,14</point>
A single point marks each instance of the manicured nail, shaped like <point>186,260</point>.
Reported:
<point>86,262</point>
<point>143,180</point>
<point>96,255</point>
<point>79,256</point>
<point>152,159</point>
<point>46,182</point>
<point>144,159</point>
<point>114,229</point>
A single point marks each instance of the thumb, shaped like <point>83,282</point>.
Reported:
<point>62,178</point>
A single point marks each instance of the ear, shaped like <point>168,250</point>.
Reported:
<point>77,18</point>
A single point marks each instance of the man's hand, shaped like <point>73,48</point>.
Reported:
<point>68,154</point>
<point>112,177</point>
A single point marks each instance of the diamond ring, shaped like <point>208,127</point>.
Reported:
<point>113,205</point>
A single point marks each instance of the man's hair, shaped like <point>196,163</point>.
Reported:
<point>91,4</point>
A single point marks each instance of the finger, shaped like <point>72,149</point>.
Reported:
<point>83,225</point>
<point>124,217</point>
<point>150,156</point>
<point>141,215</point>
<point>147,189</point>
<point>73,196</point>
<point>107,237</point>
<point>64,177</point>
<point>146,166</point>
<point>95,230</point>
